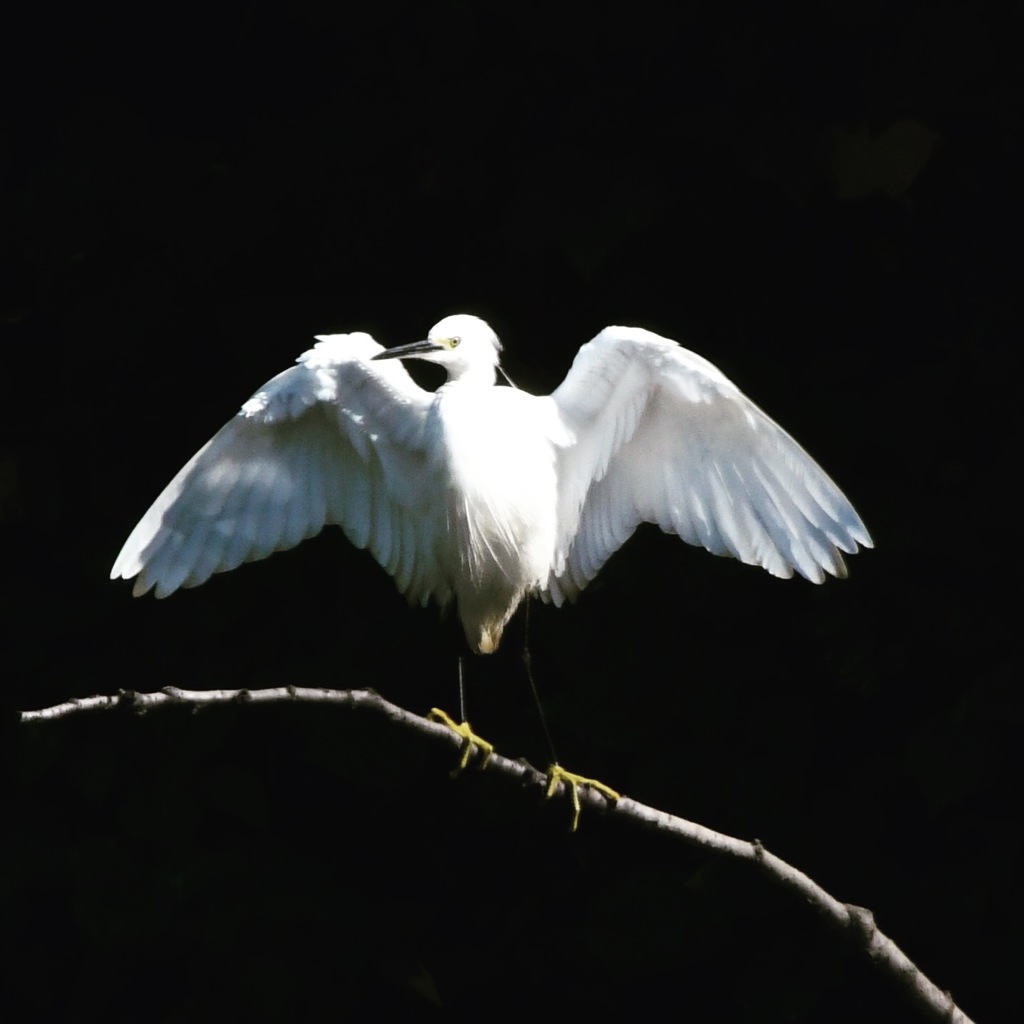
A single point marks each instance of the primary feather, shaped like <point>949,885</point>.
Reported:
<point>486,494</point>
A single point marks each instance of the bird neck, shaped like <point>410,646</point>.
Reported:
<point>481,376</point>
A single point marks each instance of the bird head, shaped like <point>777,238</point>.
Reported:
<point>464,345</point>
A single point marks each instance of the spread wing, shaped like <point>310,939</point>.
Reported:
<point>657,434</point>
<point>336,439</point>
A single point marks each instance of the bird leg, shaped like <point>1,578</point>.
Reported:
<point>556,773</point>
<point>470,740</point>
<point>572,782</point>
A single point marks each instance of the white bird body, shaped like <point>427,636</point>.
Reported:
<point>487,494</point>
<point>500,537</point>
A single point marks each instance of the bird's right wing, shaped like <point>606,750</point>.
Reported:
<point>654,433</point>
<point>336,439</point>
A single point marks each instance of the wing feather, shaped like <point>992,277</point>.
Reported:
<point>336,439</point>
<point>246,518</point>
<point>649,432</point>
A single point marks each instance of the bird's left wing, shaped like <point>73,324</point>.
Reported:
<point>336,439</point>
<point>654,433</point>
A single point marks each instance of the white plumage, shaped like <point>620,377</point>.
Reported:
<point>486,494</point>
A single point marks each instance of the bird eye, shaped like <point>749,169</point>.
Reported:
<point>454,342</point>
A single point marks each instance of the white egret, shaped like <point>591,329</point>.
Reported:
<point>486,494</point>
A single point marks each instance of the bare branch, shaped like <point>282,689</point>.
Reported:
<point>857,923</point>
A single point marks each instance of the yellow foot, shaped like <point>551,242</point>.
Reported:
<point>572,782</point>
<point>470,740</point>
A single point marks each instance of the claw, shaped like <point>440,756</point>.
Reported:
<point>470,740</point>
<point>572,782</point>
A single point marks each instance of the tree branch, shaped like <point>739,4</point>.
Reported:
<point>857,923</point>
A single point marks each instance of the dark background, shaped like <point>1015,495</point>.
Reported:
<point>825,204</point>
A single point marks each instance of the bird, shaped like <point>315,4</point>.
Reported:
<point>482,495</point>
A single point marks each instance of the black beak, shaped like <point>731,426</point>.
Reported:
<point>417,348</point>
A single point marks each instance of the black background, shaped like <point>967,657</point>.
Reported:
<point>825,204</point>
